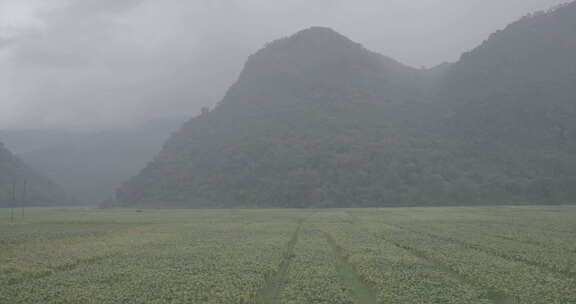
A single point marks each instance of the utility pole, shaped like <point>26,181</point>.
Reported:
<point>23,197</point>
<point>13,204</point>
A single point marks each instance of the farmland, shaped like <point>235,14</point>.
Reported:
<point>492,255</point>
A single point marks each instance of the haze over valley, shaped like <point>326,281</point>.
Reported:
<point>287,152</point>
<point>90,134</point>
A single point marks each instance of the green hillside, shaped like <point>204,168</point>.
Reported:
<point>316,120</point>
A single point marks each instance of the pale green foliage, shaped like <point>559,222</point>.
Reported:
<point>475,255</point>
<point>312,277</point>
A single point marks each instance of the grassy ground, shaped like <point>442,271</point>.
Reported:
<point>402,255</point>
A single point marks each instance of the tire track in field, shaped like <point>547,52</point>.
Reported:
<point>272,290</point>
<point>12,278</point>
<point>491,294</point>
<point>524,241</point>
<point>25,277</point>
<point>493,252</point>
<point>361,292</point>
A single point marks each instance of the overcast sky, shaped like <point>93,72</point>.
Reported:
<point>97,63</point>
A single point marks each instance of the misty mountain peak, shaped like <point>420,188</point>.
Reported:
<point>316,64</point>
<point>310,42</point>
<point>315,37</point>
<point>317,120</point>
<point>319,30</point>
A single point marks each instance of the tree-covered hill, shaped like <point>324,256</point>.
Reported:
<point>22,186</point>
<point>316,120</point>
<point>520,84</point>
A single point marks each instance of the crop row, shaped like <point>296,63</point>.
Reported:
<point>398,275</point>
<point>551,257</point>
<point>522,281</point>
<point>200,263</point>
<point>312,276</point>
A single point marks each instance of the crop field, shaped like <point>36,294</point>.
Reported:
<point>461,255</point>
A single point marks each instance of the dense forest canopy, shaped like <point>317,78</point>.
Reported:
<point>316,120</point>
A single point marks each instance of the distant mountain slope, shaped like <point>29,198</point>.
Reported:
<point>90,165</point>
<point>319,65</point>
<point>316,120</point>
<point>520,84</point>
<point>29,188</point>
<point>272,140</point>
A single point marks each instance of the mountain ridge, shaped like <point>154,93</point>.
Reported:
<point>317,120</point>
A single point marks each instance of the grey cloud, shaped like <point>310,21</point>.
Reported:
<point>4,42</point>
<point>107,62</point>
<point>74,35</point>
<point>95,7</point>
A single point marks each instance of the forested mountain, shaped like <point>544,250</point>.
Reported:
<point>316,120</point>
<point>89,165</point>
<point>514,98</point>
<point>22,186</point>
<point>520,84</point>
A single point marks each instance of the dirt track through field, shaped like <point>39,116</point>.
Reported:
<point>494,296</point>
<point>492,252</point>
<point>272,290</point>
<point>361,292</point>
